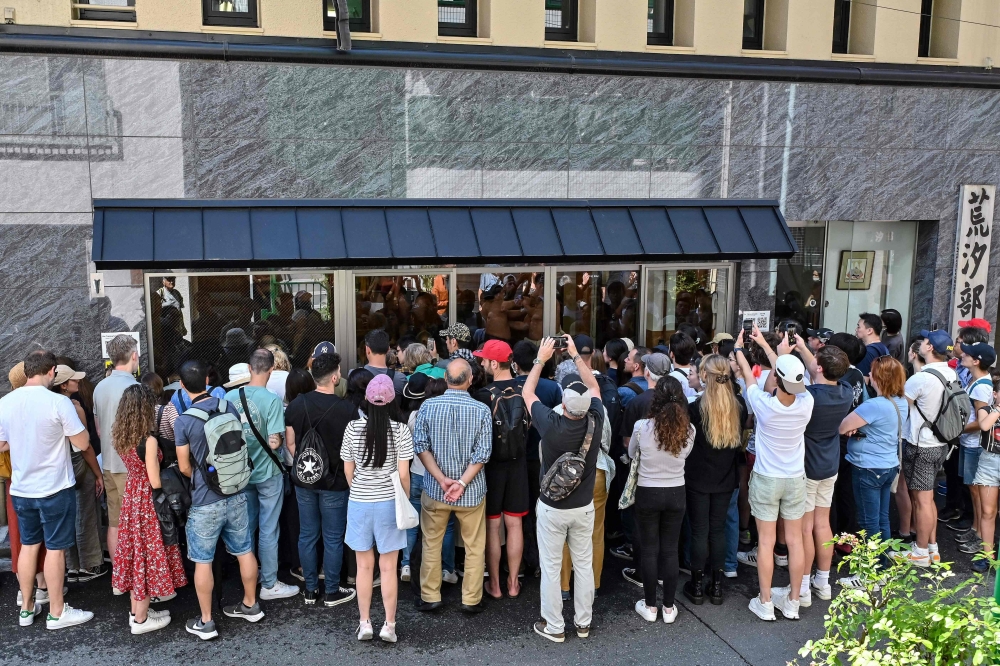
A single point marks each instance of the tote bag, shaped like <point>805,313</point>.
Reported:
<point>631,483</point>
<point>406,516</point>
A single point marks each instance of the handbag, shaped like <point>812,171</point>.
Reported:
<point>631,483</point>
<point>406,516</point>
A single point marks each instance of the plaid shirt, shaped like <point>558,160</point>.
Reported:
<point>458,431</point>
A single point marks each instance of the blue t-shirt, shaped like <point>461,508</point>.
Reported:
<point>627,394</point>
<point>879,449</point>
<point>874,350</point>
<point>190,431</point>
<point>181,401</point>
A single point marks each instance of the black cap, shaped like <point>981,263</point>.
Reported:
<point>416,387</point>
<point>584,344</point>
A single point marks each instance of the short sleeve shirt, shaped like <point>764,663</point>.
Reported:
<point>190,431</point>
<point>926,392</point>
<point>268,415</point>
<point>979,390</point>
<point>107,395</point>
<point>879,448</point>
<point>374,484</point>
<point>561,434</point>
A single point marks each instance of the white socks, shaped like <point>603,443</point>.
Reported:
<point>932,548</point>
<point>822,578</point>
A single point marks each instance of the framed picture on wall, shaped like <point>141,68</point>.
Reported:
<point>855,272</point>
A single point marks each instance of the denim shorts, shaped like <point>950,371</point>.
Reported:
<point>373,523</point>
<point>968,461</point>
<point>988,472</point>
<point>772,496</point>
<point>227,518</point>
<point>50,519</point>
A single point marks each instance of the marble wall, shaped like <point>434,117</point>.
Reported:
<point>73,129</point>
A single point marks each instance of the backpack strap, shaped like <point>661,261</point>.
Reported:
<point>944,384</point>
<point>589,437</point>
<point>256,433</point>
<point>159,418</point>
<point>638,390</point>
<point>199,414</point>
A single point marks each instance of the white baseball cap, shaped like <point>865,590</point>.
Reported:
<point>791,372</point>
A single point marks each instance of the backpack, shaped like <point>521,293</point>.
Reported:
<point>311,464</point>
<point>226,466</point>
<point>954,413</point>
<point>510,424</point>
<point>567,471</point>
<point>612,402</point>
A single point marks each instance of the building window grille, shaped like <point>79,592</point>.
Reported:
<point>841,25</point>
<point>561,20</point>
<point>105,10</point>
<point>753,25</point>
<point>457,18</point>
<point>234,13</point>
<point>359,12</point>
<point>660,23</point>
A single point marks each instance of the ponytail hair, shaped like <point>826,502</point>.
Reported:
<point>720,413</point>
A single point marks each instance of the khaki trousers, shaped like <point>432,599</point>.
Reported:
<point>434,517</point>
<point>600,504</point>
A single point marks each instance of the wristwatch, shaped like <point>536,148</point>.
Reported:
<point>537,361</point>
<point>575,358</point>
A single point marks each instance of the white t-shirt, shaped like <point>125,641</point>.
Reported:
<point>926,390</point>
<point>683,375</point>
<point>276,383</point>
<point>416,467</point>
<point>779,441</point>
<point>374,484</point>
<point>36,423</point>
<point>982,390</point>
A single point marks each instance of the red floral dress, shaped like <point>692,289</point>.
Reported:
<point>142,564</point>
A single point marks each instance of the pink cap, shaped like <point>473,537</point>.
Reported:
<point>380,391</point>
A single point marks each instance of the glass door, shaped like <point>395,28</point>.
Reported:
<point>799,280</point>
<point>603,304</point>
<point>499,303</point>
<point>696,298</point>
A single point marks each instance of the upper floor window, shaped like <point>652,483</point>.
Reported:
<point>660,23</point>
<point>841,25</point>
<point>457,18</point>
<point>359,13</point>
<point>105,10</point>
<point>235,13</point>
<point>561,20</point>
<point>926,14</point>
<point>753,25</point>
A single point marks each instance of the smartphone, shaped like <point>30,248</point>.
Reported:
<point>560,342</point>
<point>747,327</point>
<point>431,345</point>
<point>790,330</point>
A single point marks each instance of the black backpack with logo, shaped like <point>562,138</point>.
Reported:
<point>311,467</point>
<point>612,402</point>
<point>510,424</point>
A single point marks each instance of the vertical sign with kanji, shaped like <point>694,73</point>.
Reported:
<point>974,226</point>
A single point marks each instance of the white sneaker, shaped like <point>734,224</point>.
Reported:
<point>41,596</point>
<point>824,592</point>
<point>388,633</point>
<point>160,600</point>
<point>764,611</point>
<point>780,560</point>
<point>404,574</point>
<point>729,574</point>
<point>669,614</point>
<point>26,618</point>
<point>70,618</point>
<point>852,582</point>
<point>648,614</point>
<point>151,624</point>
<point>449,577</point>
<point>748,558</point>
<point>116,591</point>
<point>279,591</point>
<point>149,613</point>
<point>805,598</point>
<point>782,600</point>
<point>365,632</point>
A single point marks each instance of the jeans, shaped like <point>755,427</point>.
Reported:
<point>733,531</point>
<point>87,552</point>
<point>448,549</point>
<point>322,512</point>
<point>872,491</point>
<point>226,518</point>
<point>576,528</point>
<point>659,513</point>
<point>264,502</point>
<point>707,514</point>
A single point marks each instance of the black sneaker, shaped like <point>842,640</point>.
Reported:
<point>310,596</point>
<point>632,576</point>
<point>377,581</point>
<point>953,525</point>
<point>203,630</point>
<point>83,575</point>
<point>949,515</point>
<point>623,552</point>
<point>251,614</point>
<point>72,575</point>
<point>341,596</point>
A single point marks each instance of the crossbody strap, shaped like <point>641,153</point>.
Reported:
<point>260,438</point>
<point>589,437</point>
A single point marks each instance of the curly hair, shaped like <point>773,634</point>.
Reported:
<point>135,418</point>
<point>670,416</point>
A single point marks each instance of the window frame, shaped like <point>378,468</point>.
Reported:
<point>924,36</point>
<point>468,29</point>
<point>247,19</point>
<point>754,42</point>
<point>572,33</point>
<point>663,38</point>
<point>88,11</point>
<point>363,24</point>
<point>841,42</point>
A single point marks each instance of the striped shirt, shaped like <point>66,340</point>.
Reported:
<point>457,429</point>
<point>374,484</point>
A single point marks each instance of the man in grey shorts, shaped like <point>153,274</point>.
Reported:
<point>778,480</point>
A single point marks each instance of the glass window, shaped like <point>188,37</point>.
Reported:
<point>237,13</point>
<point>753,24</point>
<point>660,23</point>
<point>221,319</point>
<point>561,20</point>
<point>413,307</point>
<point>799,283</point>
<point>358,11</point>
<point>924,36</point>
<point>601,304</point>
<point>841,25</point>
<point>501,305</point>
<point>685,297</point>
<point>106,10</point>
<point>457,18</point>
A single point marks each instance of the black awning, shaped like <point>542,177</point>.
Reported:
<point>276,233</point>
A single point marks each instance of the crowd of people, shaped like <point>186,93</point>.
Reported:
<point>534,460</point>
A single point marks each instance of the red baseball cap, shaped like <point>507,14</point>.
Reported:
<point>976,323</point>
<point>495,350</point>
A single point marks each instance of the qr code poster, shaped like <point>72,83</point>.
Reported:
<point>760,317</point>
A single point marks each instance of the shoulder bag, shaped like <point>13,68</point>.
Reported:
<point>631,483</point>
<point>406,516</point>
<point>567,471</point>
